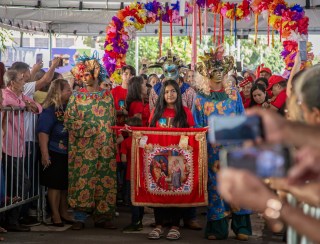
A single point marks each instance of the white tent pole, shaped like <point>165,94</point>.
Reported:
<point>137,55</point>
<point>50,43</point>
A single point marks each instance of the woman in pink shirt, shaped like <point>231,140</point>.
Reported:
<point>13,141</point>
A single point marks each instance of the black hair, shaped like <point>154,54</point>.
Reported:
<point>180,118</point>
<point>130,68</point>
<point>134,121</point>
<point>235,78</point>
<point>144,76</point>
<point>257,87</point>
<point>283,83</point>
<point>264,80</point>
<point>134,90</point>
<point>19,67</point>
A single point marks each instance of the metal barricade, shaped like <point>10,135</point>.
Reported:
<point>292,235</point>
<point>19,167</point>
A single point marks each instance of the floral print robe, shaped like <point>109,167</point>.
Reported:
<point>92,165</point>
<point>204,106</point>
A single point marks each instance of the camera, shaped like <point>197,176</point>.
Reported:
<point>264,161</point>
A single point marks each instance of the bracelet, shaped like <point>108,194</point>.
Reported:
<point>273,209</point>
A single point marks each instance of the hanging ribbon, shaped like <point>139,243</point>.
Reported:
<point>268,29</point>
<point>160,36</point>
<point>170,16</point>
<point>220,30</point>
<point>235,25</point>
<point>256,16</point>
<point>281,30</point>
<point>222,33</point>
<point>182,8</point>
<point>231,27</point>
<point>194,37</point>
<point>205,19</point>
<point>200,23</point>
<point>182,24</point>
<point>214,28</point>
<point>272,40</point>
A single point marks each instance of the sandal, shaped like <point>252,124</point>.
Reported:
<point>173,234</point>
<point>155,234</point>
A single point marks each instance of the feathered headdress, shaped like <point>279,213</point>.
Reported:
<point>169,59</point>
<point>89,64</point>
<point>213,61</point>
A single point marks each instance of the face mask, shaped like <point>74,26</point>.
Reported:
<point>171,71</point>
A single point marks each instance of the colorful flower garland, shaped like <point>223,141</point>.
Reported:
<point>290,22</point>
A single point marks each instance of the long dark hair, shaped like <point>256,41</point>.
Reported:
<point>180,118</point>
<point>260,87</point>
<point>134,90</point>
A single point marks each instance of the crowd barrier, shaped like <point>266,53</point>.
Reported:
<point>19,176</point>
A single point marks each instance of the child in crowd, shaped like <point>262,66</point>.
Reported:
<point>136,212</point>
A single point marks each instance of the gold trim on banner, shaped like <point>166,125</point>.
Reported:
<point>200,136</point>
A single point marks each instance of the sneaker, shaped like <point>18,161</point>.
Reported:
<point>133,227</point>
<point>29,221</point>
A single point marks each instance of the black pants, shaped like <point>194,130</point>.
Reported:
<point>161,214</point>
<point>18,181</point>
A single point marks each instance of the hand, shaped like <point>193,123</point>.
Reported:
<point>126,129</point>
<point>279,184</point>
<point>265,105</point>
<point>31,106</point>
<point>297,63</point>
<point>307,165</point>
<point>45,161</point>
<point>36,67</point>
<point>55,62</point>
<point>124,112</point>
<point>243,189</point>
<point>273,124</point>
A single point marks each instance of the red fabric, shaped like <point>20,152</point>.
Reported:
<point>119,96</point>
<point>168,115</point>
<point>267,70</point>
<point>245,101</point>
<point>274,79</point>
<point>164,174</point>
<point>280,99</point>
<point>137,107</point>
<point>246,81</point>
<point>126,149</point>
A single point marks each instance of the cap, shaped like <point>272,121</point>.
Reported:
<point>246,81</point>
<point>274,79</point>
<point>267,70</point>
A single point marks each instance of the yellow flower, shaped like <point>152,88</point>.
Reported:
<point>98,192</point>
<point>208,108</point>
<point>107,152</point>
<point>84,170</point>
<point>102,207</point>
<point>113,165</point>
<point>109,47</point>
<point>91,154</point>
<point>92,182</point>
<point>108,182</point>
<point>77,162</point>
<point>83,142</point>
<point>111,198</point>
<point>81,183</point>
<point>84,196</point>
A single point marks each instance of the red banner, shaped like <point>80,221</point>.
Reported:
<point>169,167</point>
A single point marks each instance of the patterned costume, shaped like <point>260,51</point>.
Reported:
<point>208,102</point>
<point>92,165</point>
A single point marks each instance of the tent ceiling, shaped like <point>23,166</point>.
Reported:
<point>65,17</point>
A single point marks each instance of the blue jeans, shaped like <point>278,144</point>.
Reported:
<point>136,212</point>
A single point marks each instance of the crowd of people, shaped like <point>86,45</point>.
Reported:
<point>85,163</point>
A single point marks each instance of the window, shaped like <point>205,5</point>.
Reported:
<point>64,42</point>
<point>41,42</point>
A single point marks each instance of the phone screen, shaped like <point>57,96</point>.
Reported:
<point>39,57</point>
<point>225,129</point>
<point>303,50</point>
<point>264,161</point>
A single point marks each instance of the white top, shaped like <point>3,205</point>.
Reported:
<point>30,120</point>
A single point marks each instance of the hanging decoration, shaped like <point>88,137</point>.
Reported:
<point>289,20</point>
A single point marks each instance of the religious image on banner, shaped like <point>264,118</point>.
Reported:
<point>169,167</point>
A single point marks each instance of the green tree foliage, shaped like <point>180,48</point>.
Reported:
<point>5,36</point>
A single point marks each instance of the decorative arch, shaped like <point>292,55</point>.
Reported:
<point>290,22</point>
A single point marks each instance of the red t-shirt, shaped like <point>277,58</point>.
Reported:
<point>167,118</point>
<point>137,107</point>
<point>280,99</point>
<point>119,96</point>
<point>126,149</point>
<point>245,101</point>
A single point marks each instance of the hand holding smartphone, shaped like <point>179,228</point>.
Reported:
<point>303,50</point>
<point>264,161</point>
<point>235,129</point>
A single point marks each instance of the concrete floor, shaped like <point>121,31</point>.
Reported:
<point>44,234</point>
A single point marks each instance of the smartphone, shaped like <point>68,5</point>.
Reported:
<point>60,62</point>
<point>235,129</point>
<point>303,50</point>
<point>39,57</point>
<point>264,161</point>
<point>239,66</point>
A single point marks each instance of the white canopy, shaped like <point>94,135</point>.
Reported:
<point>90,17</point>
